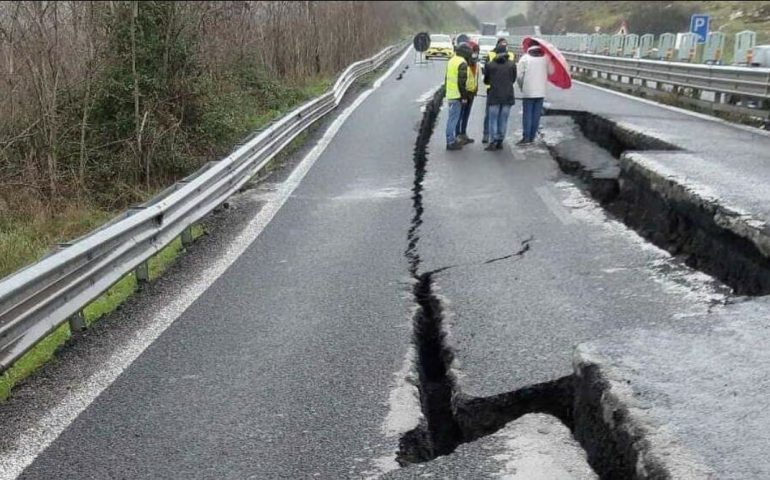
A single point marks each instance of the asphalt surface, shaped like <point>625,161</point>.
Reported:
<point>533,447</point>
<point>729,162</point>
<point>283,367</point>
<point>697,388</point>
<point>515,322</point>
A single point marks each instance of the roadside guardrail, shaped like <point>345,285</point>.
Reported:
<point>37,299</point>
<point>735,89</point>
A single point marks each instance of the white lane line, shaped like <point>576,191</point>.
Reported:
<point>702,116</point>
<point>555,206</point>
<point>36,439</point>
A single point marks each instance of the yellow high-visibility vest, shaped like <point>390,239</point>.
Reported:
<point>452,72</point>
<point>472,84</point>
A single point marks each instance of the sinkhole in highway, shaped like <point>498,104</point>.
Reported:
<point>594,149</point>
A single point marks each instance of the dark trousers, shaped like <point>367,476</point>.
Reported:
<point>532,108</point>
<point>465,114</point>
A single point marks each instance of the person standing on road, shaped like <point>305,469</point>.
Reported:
<point>502,46</point>
<point>472,85</point>
<point>500,75</point>
<point>455,85</point>
<point>534,68</point>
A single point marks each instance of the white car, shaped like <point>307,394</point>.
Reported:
<point>486,44</point>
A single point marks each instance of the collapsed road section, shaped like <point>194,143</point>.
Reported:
<point>577,284</point>
<point>633,175</point>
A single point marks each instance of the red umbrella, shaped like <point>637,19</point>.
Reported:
<point>560,75</point>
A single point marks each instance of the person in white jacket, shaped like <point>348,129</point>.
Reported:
<point>533,69</point>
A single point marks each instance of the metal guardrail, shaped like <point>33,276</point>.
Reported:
<point>740,81</point>
<point>36,300</point>
<point>735,90</point>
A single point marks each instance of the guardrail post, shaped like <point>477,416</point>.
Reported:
<point>142,273</point>
<point>77,323</point>
<point>187,238</point>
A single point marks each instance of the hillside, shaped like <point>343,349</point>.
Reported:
<point>436,16</point>
<point>491,11</point>
<point>650,17</point>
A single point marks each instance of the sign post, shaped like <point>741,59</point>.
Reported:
<point>699,25</point>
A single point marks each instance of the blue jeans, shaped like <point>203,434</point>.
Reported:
<point>498,122</point>
<point>453,119</point>
<point>486,121</point>
<point>465,114</point>
<point>532,107</point>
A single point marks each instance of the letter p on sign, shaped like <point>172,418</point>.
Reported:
<point>699,25</point>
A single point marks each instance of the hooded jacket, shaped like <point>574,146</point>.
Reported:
<point>534,68</point>
<point>500,75</point>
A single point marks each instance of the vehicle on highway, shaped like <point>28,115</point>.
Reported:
<point>488,28</point>
<point>486,44</point>
<point>440,46</point>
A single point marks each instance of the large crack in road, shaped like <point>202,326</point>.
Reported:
<point>679,223</point>
<point>449,417</point>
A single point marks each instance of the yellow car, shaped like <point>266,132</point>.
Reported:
<point>440,46</point>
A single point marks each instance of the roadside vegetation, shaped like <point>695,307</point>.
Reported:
<point>103,104</point>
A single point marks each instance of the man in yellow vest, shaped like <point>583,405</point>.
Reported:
<point>472,86</point>
<point>456,87</point>
<point>502,46</point>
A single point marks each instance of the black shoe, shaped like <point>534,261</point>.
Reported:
<point>499,145</point>
<point>469,140</point>
<point>491,147</point>
<point>522,142</point>
<point>454,146</point>
<point>485,140</point>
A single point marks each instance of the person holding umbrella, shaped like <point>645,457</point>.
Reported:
<point>542,63</point>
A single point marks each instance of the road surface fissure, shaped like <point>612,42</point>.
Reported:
<point>451,418</point>
<point>683,225</point>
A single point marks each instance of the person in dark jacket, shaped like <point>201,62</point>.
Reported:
<point>500,75</point>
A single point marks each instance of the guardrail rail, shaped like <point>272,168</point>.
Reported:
<point>735,89</point>
<point>37,299</point>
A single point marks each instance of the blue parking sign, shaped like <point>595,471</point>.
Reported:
<point>699,25</point>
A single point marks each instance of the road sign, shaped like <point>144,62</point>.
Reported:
<point>699,25</point>
<point>421,41</point>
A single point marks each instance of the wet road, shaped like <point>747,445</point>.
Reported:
<point>284,367</point>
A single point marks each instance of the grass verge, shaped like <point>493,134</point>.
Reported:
<point>24,239</point>
<point>106,303</point>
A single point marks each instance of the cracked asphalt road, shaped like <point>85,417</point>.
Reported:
<point>515,322</point>
<point>283,367</point>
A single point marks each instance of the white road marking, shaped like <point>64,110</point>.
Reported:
<point>36,439</point>
<point>555,206</point>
